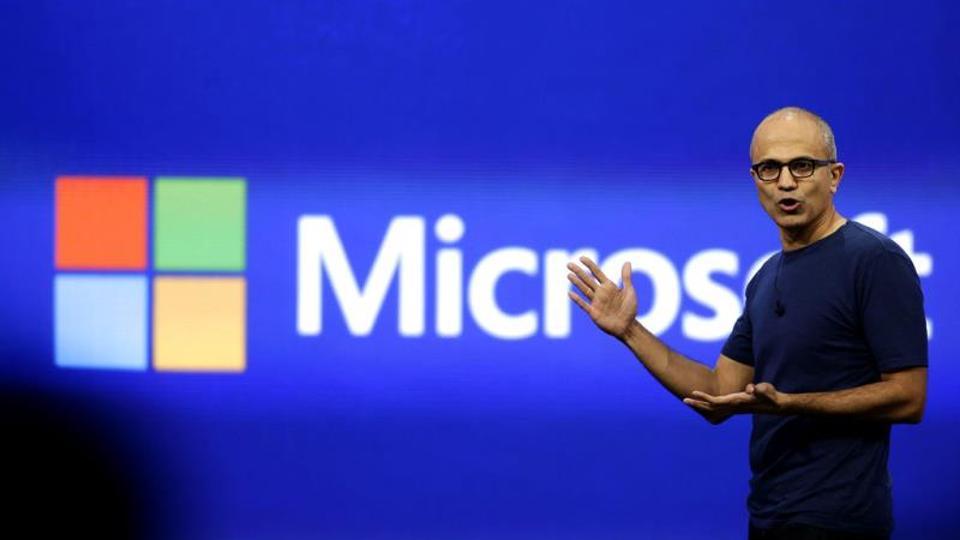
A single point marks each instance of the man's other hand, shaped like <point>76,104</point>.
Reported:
<point>611,308</point>
<point>759,398</point>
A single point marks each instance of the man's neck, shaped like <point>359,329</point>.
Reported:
<point>793,239</point>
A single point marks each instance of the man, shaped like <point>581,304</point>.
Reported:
<point>830,350</point>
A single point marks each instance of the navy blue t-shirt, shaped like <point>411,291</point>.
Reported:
<point>829,316</point>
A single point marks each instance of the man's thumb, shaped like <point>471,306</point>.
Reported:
<point>627,275</point>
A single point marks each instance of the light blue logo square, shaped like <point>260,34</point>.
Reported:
<point>100,321</point>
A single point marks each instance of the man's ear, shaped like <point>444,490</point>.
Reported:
<point>836,174</point>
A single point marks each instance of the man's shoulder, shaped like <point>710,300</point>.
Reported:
<point>869,243</point>
<point>870,249</point>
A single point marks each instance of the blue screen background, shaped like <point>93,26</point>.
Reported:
<point>544,125</point>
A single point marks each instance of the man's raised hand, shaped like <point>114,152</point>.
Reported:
<point>611,308</point>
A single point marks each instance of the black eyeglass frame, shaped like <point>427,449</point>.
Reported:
<point>790,164</point>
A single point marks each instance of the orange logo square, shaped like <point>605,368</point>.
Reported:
<point>101,223</point>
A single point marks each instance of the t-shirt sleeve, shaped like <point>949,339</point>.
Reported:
<point>894,324</point>
<point>739,345</point>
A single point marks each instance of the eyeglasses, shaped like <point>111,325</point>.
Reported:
<point>803,167</point>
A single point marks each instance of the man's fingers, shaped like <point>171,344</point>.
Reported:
<point>709,398</point>
<point>587,291</point>
<point>579,301</point>
<point>702,396</point>
<point>594,269</point>
<point>697,404</point>
<point>586,278</point>
<point>736,398</point>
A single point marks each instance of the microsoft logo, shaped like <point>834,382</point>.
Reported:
<point>139,284</point>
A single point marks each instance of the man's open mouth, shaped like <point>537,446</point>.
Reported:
<point>788,204</point>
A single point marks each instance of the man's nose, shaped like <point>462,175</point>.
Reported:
<point>786,180</point>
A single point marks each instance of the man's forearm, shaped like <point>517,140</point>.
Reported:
<point>884,400</point>
<point>677,373</point>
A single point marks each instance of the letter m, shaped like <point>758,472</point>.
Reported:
<point>320,251</point>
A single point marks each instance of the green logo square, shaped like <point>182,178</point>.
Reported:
<point>199,223</point>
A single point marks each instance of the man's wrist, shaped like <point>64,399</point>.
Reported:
<point>632,333</point>
<point>790,403</point>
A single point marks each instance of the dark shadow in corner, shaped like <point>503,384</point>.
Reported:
<point>71,466</point>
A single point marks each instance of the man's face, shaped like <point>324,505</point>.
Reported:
<point>794,203</point>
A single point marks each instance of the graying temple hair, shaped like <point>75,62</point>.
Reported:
<point>829,143</point>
